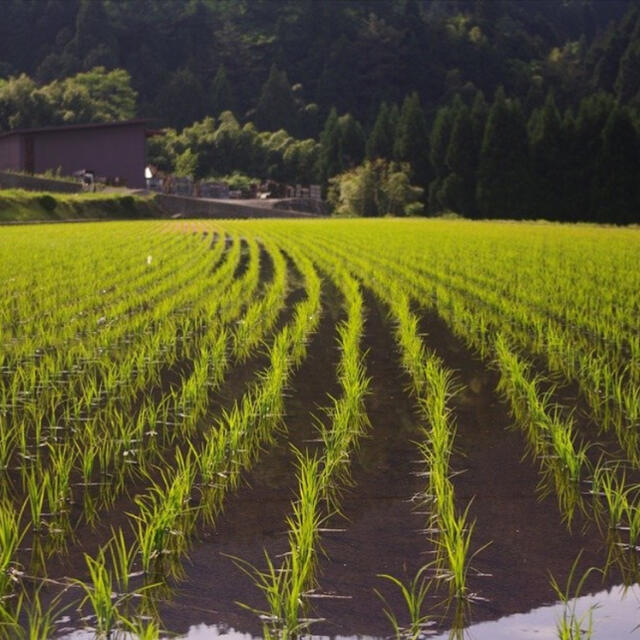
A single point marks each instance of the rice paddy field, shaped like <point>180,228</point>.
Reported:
<point>327,429</point>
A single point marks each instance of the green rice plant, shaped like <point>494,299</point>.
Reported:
<point>11,537</point>
<point>99,595</point>
<point>41,624</point>
<point>141,629</point>
<point>571,625</point>
<point>122,559</point>
<point>37,488</point>
<point>414,594</point>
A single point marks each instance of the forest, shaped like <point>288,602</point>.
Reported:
<point>486,108</point>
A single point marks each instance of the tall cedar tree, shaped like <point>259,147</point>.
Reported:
<point>352,140</point>
<point>380,141</point>
<point>330,160</point>
<point>620,166</point>
<point>585,151</point>
<point>412,141</point>
<point>548,159</point>
<point>277,106</point>
<point>503,187</point>
<point>221,96</point>
<point>440,135</point>
<point>462,161</point>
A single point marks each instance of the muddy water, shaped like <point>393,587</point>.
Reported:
<point>614,616</point>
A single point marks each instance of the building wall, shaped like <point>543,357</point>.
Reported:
<point>109,151</point>
<point>11,154</point>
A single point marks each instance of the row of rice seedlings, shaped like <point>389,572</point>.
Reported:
<point>58,367</point>
<point>261,315</point>
<point>616,506</point>
<point>478,315</point>
<point>552,437</point>
<point>287,588</point>
<point>166,515</point>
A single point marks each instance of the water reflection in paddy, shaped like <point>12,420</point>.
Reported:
<point>616,614</point>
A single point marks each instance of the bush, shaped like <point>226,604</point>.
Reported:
<point>47,202</point>
<point>375,188</point>
<point>128,203</point>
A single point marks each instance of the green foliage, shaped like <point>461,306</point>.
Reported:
<point>276,108</point>
<point>411,141</point>
<point>375,188</point>
<point>47,202</point>
<point>330,160</point>
<point>503,187</point>
<point>187,164</point>
<point>94,96</point>
<point>380,141</point>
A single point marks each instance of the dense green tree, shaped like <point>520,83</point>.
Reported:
<point>380,140</point>
<point>352,140</point>
<point>627,84</point>
<point>619,199</point>
<point>222,98</point>
<point>547,145</point>
<point>182,99</point>
<point>439,144</point>
<point>503,187</point>
<point>375,188</point>
<point>583,153</point>
<point>412,141</point>
<point>277,105</point>
<point>330,157</point>
<point>94,41</point>
<point>462,161</point>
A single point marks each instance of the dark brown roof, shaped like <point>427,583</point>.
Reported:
<point>73,127</point>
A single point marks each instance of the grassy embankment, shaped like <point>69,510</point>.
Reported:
<point>31,206</point>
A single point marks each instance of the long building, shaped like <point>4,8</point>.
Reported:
<point>115,151</point>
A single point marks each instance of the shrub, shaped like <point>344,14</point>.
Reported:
<point>47,202</point>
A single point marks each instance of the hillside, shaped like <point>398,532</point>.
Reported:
<point>561,69</point>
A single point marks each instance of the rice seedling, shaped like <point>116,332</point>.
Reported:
<point>414,594</point>
<point>573,625</point>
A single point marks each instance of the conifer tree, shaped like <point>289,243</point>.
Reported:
<point>462,161</point>
<point>547,148</point>
<point>412,142</point>
<point>619,169</point>
<point>352,140</point>
<point>222,98</point>
<point>380,141</point>
<point>276,107</point>
<point>330,160</point>
<point>503,186</point>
